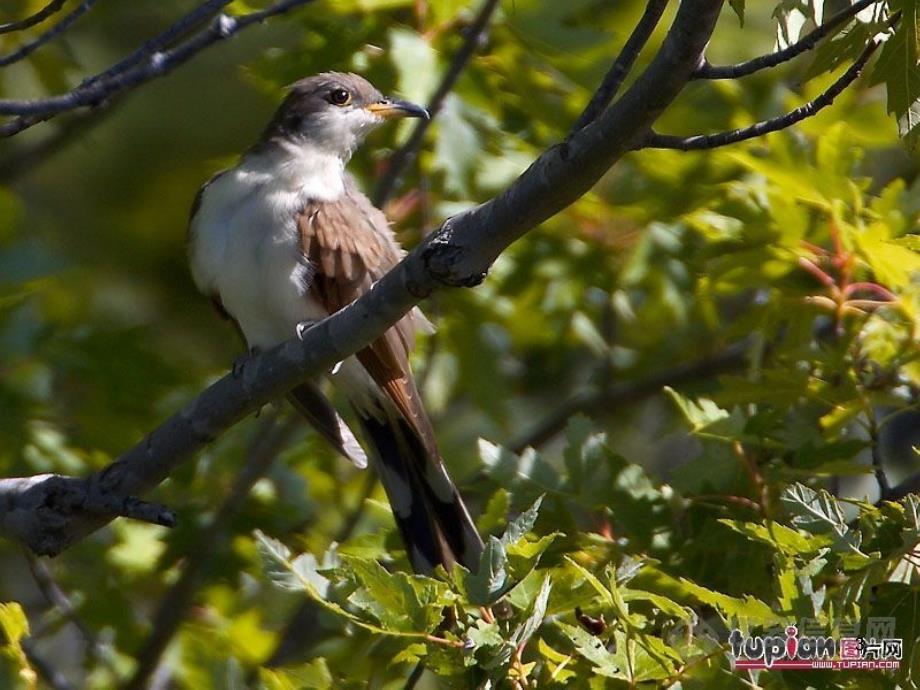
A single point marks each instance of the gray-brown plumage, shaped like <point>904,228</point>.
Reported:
<point>302,242</point>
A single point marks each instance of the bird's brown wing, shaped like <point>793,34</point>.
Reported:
<point>350,245</point>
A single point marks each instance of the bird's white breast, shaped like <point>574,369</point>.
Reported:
<point>245,247</point>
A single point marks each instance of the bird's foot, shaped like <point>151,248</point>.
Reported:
<point>240,362</point>
<point>301,328</point>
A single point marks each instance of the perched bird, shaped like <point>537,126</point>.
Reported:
<point>286,238</point>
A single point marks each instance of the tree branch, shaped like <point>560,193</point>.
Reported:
<point>95,91</point>
<point>804,44</point>
<point>54,678</point>
<point>49,35</point>
<point>163,40</point>
<point>626,392</point>
<point>711,141</point>
<point>40,16</point>
<point>57,598</point>
<point>458,254</point>
<point>613,80</point>
<point>407,152</point>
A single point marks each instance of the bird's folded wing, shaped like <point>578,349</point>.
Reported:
<point>350,245</point>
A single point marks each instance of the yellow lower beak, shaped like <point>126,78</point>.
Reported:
<point>388,108</point>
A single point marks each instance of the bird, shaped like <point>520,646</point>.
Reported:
<point>285,238</point>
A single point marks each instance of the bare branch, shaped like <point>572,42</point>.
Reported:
<point>48,673</point>
<point>269,441</point>
<point>804,44</point>
<point>458,254</point>
<point>878,467</point>
<point>163,40</point>
<point>49,35</point>
<point>96,91</point>
<point>40,16</point>
<point>27,157</point>
<point>613,80</point>
<point>711,141</point>
<point>606,400</point>
<point>401,158</point>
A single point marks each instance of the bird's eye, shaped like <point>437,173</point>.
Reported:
<point>339,97</point>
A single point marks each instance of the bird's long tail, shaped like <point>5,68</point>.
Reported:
<point>432,518</point>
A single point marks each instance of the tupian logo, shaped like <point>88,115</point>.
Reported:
<point>878,650</point>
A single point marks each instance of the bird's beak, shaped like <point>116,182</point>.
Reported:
<point>388,108</point>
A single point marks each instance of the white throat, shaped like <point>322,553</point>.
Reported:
<point>303,169</point>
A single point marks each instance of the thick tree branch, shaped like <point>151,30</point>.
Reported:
<point>613,80</point>
<point>51,8</point>
<point>407,152</point>
<point>604,401</point>
<point>711,141</point>
<point>804,44</point>
<point>49,35</point>
<point>95,91</point>
<point>458,254</point>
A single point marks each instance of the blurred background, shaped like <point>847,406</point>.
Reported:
<point>678,269</point>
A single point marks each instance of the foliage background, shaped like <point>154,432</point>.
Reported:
<point>679,268</point>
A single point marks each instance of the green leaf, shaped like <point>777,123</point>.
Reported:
<point>897,69</point>
<point>411,654</point>
<point>491,580</point>
<point>819,513</point>
<point>399,602</point>
<point>297,573</point>
<point>416,63</point>
<point>738,7</point>
<point>707,418</point>
<point>313,674</point>
<point>15,627</point>
<point>520,526</point>
<point>533,622</point>
<point>780,537</point>
<point>276,560</point>
<point>495,512</point>
<point>14,623</point>
<point>593,649</point>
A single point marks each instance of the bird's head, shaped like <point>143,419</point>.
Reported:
<point>334,111</point>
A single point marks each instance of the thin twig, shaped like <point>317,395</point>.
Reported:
<point>48,673</point>
<point>623,63</point>
<point>269,441</point>
<point>878,467</point>
<point>414,677</point>
<point>711,141</point>
<point>49,35</point>
<point>402,157</point>
<point>804,44</point>
<point>58,598</point>
<point>40,16</point>
<point>93,93</point>
<point>27,157</point>
<point>175,31</point>
<point>605,400</point>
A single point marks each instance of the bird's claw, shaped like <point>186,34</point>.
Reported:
<point>301,328</point>
<point>240,362</point>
